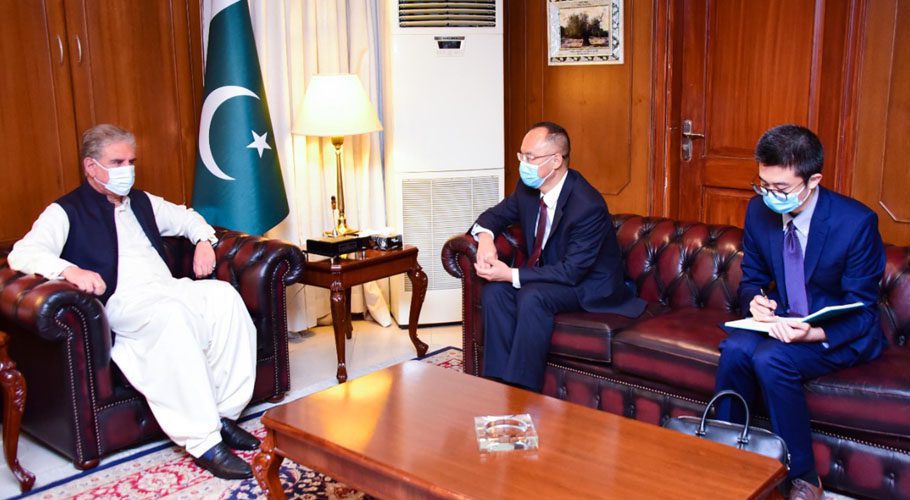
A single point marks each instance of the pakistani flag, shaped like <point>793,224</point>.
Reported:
<point>238,177</point>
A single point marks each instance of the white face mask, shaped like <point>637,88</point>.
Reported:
<point>120,179</point>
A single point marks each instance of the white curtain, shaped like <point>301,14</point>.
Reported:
<point>296,39</point>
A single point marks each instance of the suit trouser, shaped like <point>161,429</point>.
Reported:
<point>751,362</point>
<point>190,348</point>
<point>518,324</point>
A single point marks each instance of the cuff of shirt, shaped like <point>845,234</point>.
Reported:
<point>56,272</point>
<point>477,229</point>
<point>515,281</point>
<point>207,236</point>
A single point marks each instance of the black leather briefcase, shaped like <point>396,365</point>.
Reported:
<point>754,439</point>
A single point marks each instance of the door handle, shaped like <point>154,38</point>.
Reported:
<point>685,145</point>
<point>79,50</point>
<point>687,131</point>
<point>60,48</point>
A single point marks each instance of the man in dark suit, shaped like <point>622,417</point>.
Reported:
<point>819,249</point>
<point>574,261</point>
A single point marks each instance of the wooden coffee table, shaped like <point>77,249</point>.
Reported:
<point>407,432</point>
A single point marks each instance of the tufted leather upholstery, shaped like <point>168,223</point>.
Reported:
<point>662,364</point>
<point>78,402</point>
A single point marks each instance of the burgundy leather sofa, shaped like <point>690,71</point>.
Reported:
<point>78,402</point>
<point>662,364</point>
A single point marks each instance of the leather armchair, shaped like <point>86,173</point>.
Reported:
<point>79,403</point>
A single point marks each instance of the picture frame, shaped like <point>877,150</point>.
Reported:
<point>584,32</point>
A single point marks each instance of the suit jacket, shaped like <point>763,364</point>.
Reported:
<point>581,251</point>
<point>844,262</point>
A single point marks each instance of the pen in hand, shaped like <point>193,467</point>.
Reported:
<point>768,302</point>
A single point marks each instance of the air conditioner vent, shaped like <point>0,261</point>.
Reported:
<point>447,14</point>
<point>434,210</point>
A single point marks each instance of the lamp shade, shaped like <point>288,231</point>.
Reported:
<point>336,106</point>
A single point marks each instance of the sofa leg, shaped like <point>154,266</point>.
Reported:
<point>277,398</point>
<point>88,464</point>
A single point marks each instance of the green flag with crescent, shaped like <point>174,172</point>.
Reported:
<point>238,177</point>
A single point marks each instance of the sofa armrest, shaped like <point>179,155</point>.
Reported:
<point>261,269</point>
<point>53,322</point>
<point>36,305</point>
<point>458,256</point>
<point>249,262</point>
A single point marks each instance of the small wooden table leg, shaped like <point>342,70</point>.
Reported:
<point>266,465</point>
<point>349,333</point>
<point>340,326</point>
<point>12,384</point>
<point>419,283</point>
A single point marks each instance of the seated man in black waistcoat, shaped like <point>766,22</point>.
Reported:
<point>188,346</point>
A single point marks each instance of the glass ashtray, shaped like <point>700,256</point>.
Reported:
<point>505,432</point>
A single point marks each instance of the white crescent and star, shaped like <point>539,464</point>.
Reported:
<point>212,102</point>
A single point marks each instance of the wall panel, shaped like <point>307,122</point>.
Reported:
<point>605,108</point>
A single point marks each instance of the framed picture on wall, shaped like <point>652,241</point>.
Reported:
<point>584,32</point>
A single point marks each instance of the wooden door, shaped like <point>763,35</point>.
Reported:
<point>37,138</point>
<point>138,64</point>
<point>880,175</point>
<point>746,66</point>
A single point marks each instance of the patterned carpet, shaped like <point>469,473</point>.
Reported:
<point>168,472</point>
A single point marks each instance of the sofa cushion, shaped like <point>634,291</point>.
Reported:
<point>587,335</point>
<point>677,348</point>
<point>873,396</point>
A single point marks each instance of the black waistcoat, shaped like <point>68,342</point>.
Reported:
<point>92,240</point>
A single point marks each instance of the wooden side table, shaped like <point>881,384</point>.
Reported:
<point>339,274</point>
<point>12,383</point>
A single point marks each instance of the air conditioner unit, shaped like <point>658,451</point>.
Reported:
<point>444,133</point>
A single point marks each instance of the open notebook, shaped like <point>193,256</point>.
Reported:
<point>816,317</point>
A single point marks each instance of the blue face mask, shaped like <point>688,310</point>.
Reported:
<point>528,173</point>
<point>790,203</point>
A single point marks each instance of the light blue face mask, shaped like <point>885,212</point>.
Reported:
<point>528,173</point>
<point>784,206</point>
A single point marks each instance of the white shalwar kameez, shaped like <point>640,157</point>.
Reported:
<point>188,346</point>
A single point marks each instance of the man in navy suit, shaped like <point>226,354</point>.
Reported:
<point>819,249</point>
<point>574,262</point>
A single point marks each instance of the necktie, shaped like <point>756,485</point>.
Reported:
<point>794,273</point>
<point>538,236</point>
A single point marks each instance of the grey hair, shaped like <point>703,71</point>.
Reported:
<point>95,139</point>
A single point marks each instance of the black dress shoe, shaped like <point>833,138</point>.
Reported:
<point>237,438</point>
<point>221,461</point>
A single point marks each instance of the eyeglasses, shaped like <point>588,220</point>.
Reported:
<point>778,194</point>
<point>531,158</point>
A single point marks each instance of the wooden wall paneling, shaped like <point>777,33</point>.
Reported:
<point>835,90</point>
<point>729,204</point>
<point>605,108</point>
<point>37,140</point>
<point>845,150</point>
<point>636,197</point>
<point>880,178</point>
<point>665,112</point>
<point>515,86</point>
<point>895,165</point>
<point>133,72</point>
<point>189,70</point>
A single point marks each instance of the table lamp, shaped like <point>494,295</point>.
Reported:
<point>335,106</point>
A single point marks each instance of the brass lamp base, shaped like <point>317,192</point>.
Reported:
<point>341,229</point>
<point>341,225</point>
